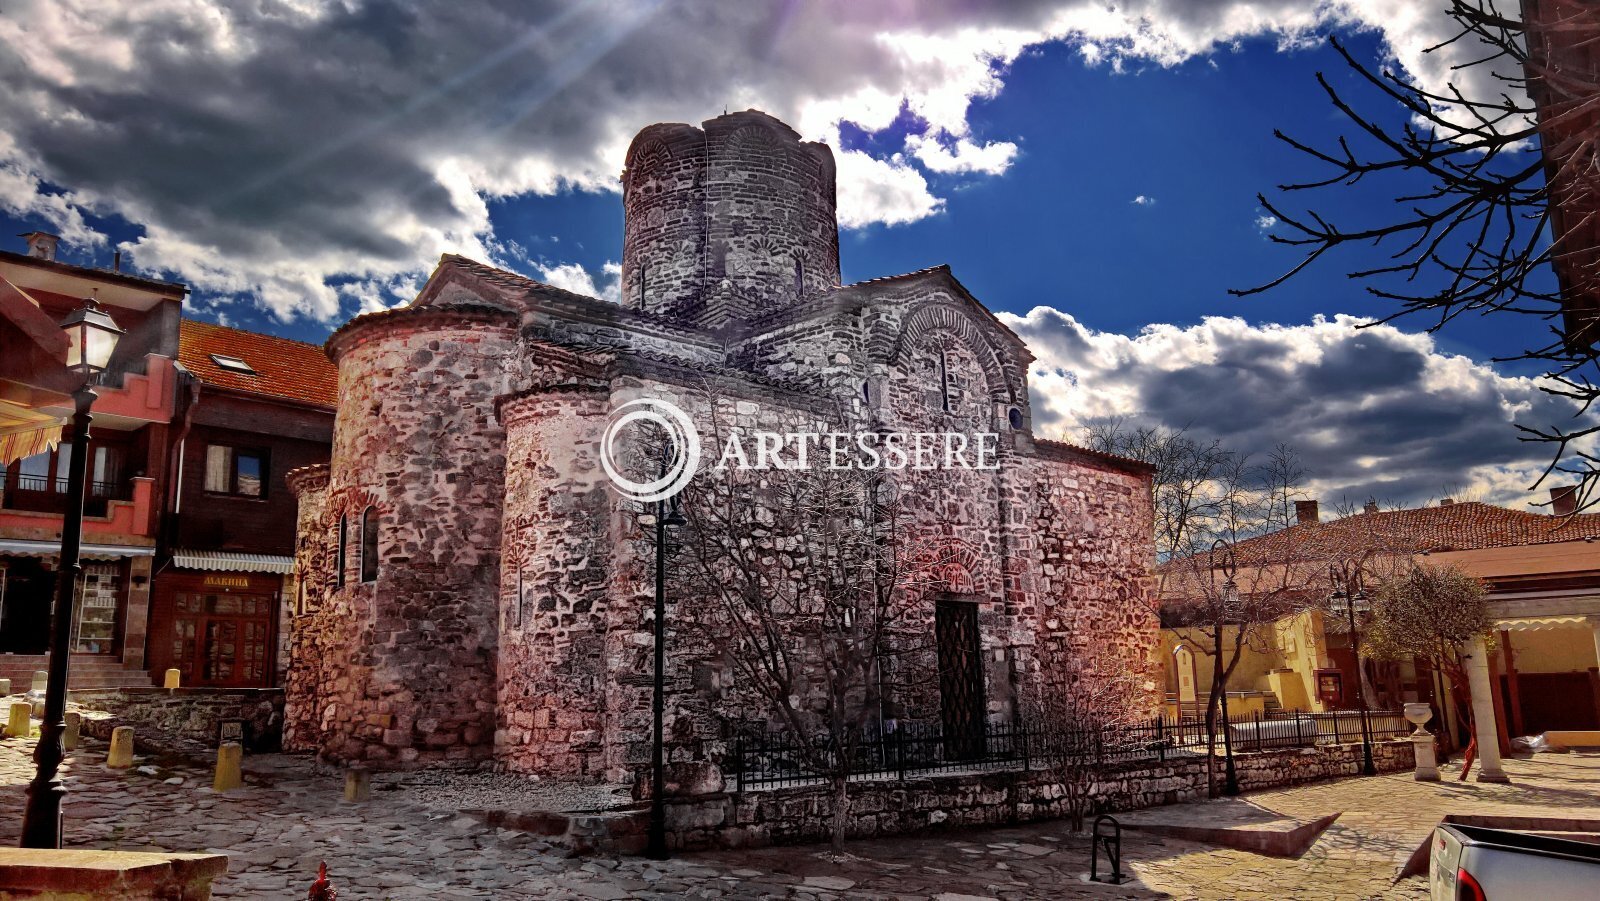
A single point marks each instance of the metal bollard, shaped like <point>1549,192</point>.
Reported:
<point>1111,840</point>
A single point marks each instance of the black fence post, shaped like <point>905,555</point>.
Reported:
<point>1337,739</point>
<point>1299,740</point>
<point>1027,759</point>
<point>900,751</point>
<point>739,751</point>
<point>1258,731</point>
<point>1161,744</point>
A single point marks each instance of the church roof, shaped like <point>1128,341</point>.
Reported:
<point>833,298</point>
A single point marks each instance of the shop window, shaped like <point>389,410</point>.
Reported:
<point>338,554</point>
<point>231,470</point>
<point>369,545</point>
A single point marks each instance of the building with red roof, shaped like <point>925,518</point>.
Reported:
<point>189,523</point>
<point>1542,571</point>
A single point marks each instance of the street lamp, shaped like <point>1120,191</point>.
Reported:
<point>668,514</point>
<point>91,340</point>
<point>1347,585</point>
<point>1230,601</point>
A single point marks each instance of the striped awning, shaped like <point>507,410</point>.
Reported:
<point>25,432</point>
<point>232,562</point>
<point>1541,623</point>
<point>23,547</point>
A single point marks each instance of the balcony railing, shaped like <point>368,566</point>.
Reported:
<point>47,494</point>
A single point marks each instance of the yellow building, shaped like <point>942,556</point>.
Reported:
<point>1543,574</point>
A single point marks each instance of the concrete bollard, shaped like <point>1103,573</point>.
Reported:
<point>172,679</point>
<point>357,784</point>
<point>69,738</point>
<point>230,773</point>
<point>5,687</point>
<point>41,680</point>
<point>19,723</point>
<point>120,756</point>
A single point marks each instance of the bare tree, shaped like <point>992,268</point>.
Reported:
<point>1073,717</point>
<point>1493,218</point>
<point>808,585</point>
<point>1210,497</point>
<point>1428,613</point>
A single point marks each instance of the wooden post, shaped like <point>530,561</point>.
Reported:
<point>1513,693</point>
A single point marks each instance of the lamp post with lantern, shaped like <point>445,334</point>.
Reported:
<point>91,340</point>
<point>1348,586</point>
<point>668,516</point>
<point>1229,600</point>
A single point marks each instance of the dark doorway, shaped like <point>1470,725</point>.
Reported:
<point>960,678</point>
<point>1553,701</point>
<point>26,590</point>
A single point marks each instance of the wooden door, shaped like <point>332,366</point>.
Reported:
<point>960,678</point>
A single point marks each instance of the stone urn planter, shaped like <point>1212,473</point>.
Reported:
<point>1418,713</point>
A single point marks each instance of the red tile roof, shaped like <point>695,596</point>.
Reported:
<point>285,369</point>
<point>1457,527</point>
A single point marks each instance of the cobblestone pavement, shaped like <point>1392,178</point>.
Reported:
<point>288,818</point>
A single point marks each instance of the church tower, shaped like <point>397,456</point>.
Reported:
<point>727,222</point>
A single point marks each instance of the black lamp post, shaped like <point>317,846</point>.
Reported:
<point>92,337</point>
<point>1347,584</point>
<point>1230,601</point>
<point>667,515</point>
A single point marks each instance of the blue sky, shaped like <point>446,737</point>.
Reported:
<point>1130,151</point>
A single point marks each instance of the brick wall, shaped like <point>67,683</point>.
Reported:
<point>801,815</point>
<point>190,714</point>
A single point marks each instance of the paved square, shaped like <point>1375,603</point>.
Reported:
<point>288,817</point>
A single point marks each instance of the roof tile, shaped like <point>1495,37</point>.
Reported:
<point>284,368</point>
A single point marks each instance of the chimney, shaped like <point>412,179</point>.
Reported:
<point>1564,500</point>
<point>1306,511</point>
<point>1446,501</point>
<point>1371,507</point>
<point>42,245</point>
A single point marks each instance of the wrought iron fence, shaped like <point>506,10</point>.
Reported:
<point>768,759</point>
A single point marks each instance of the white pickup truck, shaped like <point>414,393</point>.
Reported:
<point>1475,863</point>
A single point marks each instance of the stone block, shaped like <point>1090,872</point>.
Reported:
<point>230,767</point>
<point>120,755</point>
<point>5,687</point>
<point>172,679</point>
<point>41,681</point>
<point>357,784</point>
<point>126,875</point>
<point>69,738</point>
<point>19,722</point>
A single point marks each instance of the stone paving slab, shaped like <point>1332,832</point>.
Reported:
<point>289,816</point>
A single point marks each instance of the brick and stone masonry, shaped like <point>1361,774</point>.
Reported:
<point>509,617</point>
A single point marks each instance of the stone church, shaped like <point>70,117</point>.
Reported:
<point>474,590</point>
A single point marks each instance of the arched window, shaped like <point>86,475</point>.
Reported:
<point>944,380</point>
<point>369,544</point>
<point>338,554</point>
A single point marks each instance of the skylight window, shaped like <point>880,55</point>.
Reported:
<point>232,364</point>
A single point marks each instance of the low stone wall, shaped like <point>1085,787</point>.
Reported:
<point>801,814</point>
<point>190,714</point>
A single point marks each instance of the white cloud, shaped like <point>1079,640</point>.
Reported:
<point>962,155</point>
<point>1266,222</point>
<point>1373,411</point>
<point>274,151</point>
<point>1144,200</point>
<point>573,277</point>
<point>888,191</point>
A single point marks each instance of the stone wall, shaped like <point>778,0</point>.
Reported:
<point>802,814</point>
<point>409,677</point>
<point>191,714</point>
<point>729,221</point>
